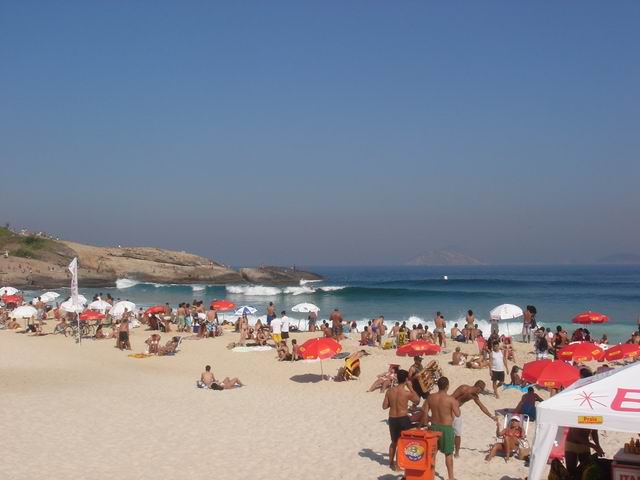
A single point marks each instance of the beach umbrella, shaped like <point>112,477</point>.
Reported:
<point>69,307</point>
<point>417,348</point>
<point>580,352</point>
<point>590,317</point>
<point>8,291</point>
<point>319,349</point>
<point>48,297</point>
<point>25,311</point>
<point>91,315</point>
<point>118,309</point>
<point>99,305</point>
<point>82,299</point>
<point>305,308</point>
<point>245,310</point>
<point>506,311</point>
<point>12,299</point>
<point>223,305</point>
<point>550,373</point>
<point>155,309</point>
<point>622,350</point>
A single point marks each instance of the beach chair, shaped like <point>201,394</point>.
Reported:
<point>524,421</point>
<point>170,348</point>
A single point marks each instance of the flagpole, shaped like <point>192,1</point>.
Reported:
<point>73,268</point>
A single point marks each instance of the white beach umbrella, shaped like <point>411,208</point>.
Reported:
<point>245,310</point>
<point>119,308</point>
<point>82,299</point>
<point>506,311</point>
<point>305,308</point>
<point>8,291</point>
<point>48,297</point>
<point>99,305</point>
<point>69,307</point>
<point>25,311</point>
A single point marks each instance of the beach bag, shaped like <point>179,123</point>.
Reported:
<point>524,450</point>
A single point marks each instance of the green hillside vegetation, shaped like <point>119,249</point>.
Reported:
<point>30,246</point>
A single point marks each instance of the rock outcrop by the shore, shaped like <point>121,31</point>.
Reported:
<point>34,262</point>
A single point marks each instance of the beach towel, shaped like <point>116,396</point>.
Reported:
<point>139,355</point>
<point>251,349</point>
<point>341,355</point>
<point>522,388</point>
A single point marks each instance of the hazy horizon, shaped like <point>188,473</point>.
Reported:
<point>325,134</point>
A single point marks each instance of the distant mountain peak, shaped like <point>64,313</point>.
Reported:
<point>620,259</point>
<point>443,257</point>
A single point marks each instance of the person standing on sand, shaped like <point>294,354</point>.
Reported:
<point>276,330</point>
<point>312,318</point>
<point>440,330</point>
<point>123,332</point>
<point>498,359</point>
<point>443,408</point>
<point>271,313</point>
<point>336,323</point>
<point>396,400</point>
<point>285,325</point>
<point>463,394</point>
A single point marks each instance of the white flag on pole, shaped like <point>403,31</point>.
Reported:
<point>73,268</point>
<point>75,301</point>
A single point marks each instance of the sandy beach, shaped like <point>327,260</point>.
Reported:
<point>91,411</point>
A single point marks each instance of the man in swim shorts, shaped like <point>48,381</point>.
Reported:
<point>440,409</point>
<point>439,330</point>
<point>397,401</point>
<point>463,394</point>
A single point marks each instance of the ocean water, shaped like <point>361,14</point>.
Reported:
<point>414,294</point>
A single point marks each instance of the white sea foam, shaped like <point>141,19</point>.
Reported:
<point>253,290</point>
<point>332,288</point>
<point>123,283</point>
<point>304,282</point>
<point>298,290</point>
<point>198,288</point>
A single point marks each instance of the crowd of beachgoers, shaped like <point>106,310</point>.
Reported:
<point>415,397</point>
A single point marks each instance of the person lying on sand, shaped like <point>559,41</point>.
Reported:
<point>13,324</point>
<point>208,380</point>
<point>342,374</point>
<point>385,380</point>
<point>170,346</point>
<point>510,437</point>
<point>476,362</point>
<point>60,326</point>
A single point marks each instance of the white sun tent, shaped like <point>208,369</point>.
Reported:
<point>608,401</point>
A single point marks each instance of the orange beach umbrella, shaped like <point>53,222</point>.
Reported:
<point>550,373</point>
<point>319,348</point>
<point>223,305</point>
<point>622,350</point>
<point>417,348</point>
<point>580,352</point>
<point>590,317</point>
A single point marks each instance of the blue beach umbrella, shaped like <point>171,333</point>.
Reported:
<point>245,310</point>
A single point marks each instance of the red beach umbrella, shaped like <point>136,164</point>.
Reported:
<point>319,348</point>
<point>91,315</point>
<point>586,318</point>
<point>417,348</point>
<point>155,309</point>
<point>622,350</point>
<point>550,373</point>
<point>12,299</point>
<point>580,352</point>
<point>223,305</point>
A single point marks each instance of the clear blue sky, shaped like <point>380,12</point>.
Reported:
<point>325,132</point>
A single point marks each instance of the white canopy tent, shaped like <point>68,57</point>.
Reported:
<point>608,401</point>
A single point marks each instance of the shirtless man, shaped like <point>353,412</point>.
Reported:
<point>336,323</point>
<point>463,394</point>
<point>123,332</point>
<point>415,368</point>
<point>440,409</point>
<point>396,400</point>
<point>271,313</point>
<point>458,358</point>
<point>440,329</point>
<point>209,380</point>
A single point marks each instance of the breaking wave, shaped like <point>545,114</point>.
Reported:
<point>123,283</point>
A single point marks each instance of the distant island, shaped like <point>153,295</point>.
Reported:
<point>620,259</point>
<point>38,260</point>
<point>443,257</point>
